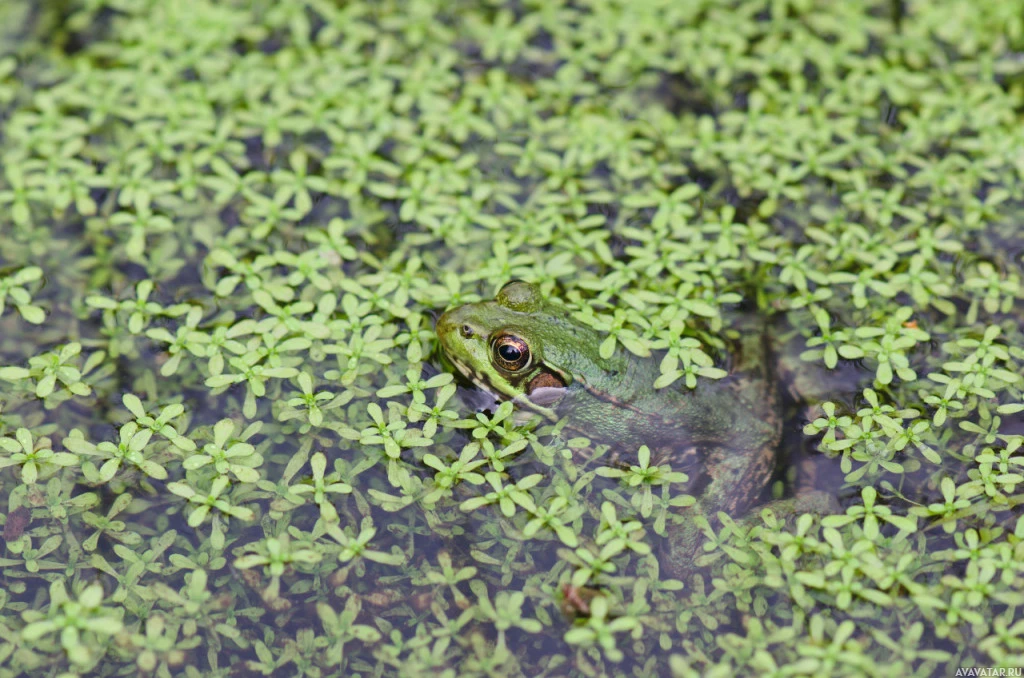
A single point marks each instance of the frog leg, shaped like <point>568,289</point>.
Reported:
<point>678,557</point>
<point>736,479</point>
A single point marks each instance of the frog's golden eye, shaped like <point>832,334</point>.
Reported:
<point>510,352</point>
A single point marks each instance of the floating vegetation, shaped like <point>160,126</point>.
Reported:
<point>228,443</point>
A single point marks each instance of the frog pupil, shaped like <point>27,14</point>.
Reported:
<point>510,353</point>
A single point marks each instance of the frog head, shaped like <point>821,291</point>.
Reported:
<point>520,346</point>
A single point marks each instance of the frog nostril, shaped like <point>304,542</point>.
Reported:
<point>467,331</point>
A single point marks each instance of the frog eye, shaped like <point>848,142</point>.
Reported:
<point>511,353</point>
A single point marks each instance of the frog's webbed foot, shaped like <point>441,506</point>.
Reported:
<point>809,381</point>
<point>816,502</point>
<point>681,458</point>
<point>678,556</point>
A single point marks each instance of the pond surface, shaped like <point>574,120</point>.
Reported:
<point>230,444</point>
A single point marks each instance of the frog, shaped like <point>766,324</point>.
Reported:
<point>525,348</point>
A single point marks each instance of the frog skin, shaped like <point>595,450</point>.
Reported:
<point>527,349</point>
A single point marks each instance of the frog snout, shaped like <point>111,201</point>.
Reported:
<point>445,324</point>
<point>453,321</point>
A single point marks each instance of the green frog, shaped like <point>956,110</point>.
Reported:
<point>527,349</point>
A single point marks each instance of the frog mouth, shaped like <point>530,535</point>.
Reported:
<point>478,379</point>
<point>538,399</point>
